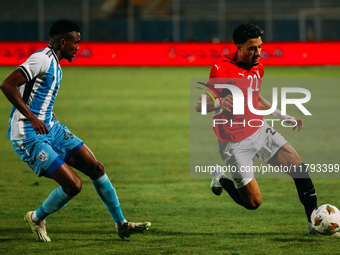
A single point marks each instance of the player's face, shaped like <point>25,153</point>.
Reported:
<point>69,46</point>
<point>250,52</point>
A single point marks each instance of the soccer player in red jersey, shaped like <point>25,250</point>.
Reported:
<point>239,138</point>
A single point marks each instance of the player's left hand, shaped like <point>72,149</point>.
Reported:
<point>296,122</point>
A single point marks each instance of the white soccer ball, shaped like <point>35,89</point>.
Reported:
<point>326,219</point>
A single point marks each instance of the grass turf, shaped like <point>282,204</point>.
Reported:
<point>136,121</point>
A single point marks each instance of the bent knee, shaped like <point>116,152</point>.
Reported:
<point>97,171</point>
<point>73,188</point>
<point>254,204</point>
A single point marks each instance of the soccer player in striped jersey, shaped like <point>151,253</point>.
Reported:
<point>47,146</point>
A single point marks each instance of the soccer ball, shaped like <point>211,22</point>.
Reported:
<point>325,219</point>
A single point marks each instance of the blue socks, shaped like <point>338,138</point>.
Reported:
<point>55,201</point>
<point>58,199</point>
<point>109,197</point>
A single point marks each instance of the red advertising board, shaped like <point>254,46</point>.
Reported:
<point>177,54</point>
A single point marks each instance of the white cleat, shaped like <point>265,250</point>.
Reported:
<point>215,184</point>
<point>132,228</point>
<point>39,230</point>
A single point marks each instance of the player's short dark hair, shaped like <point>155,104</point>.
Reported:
<point>246,31</point>
<point>63,26</point>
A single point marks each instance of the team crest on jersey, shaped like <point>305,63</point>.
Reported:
<point>42,156</point>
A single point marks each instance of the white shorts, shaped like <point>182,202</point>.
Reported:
<point>264,143</point>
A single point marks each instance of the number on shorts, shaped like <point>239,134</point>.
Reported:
<point>270,131</point>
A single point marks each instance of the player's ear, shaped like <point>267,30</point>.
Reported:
<point>238,46</point>
<point>62,42</point>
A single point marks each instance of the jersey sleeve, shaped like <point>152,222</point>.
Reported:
<point>218,70</point>
<point>261,70</point>
<point>36,64</point>
<point>219,74</point>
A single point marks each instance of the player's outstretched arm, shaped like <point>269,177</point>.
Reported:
<point>10,88</point>
<point>265,105</point>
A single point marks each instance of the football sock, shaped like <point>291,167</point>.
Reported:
<point>109,197</point>
<point>55,201</point>
<point>229,186</point>
<point>305,189</point>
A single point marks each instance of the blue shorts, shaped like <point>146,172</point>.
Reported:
<point>46,153</point>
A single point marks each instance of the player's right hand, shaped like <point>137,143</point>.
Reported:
<point>39,126</point>
<point>227,103</point>
<point>297,123</point>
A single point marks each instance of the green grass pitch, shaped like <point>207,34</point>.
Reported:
<point>137,122</point>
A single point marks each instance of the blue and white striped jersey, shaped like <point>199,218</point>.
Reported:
<point>43,73</point>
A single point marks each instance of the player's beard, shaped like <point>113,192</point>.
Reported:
<point>256,63</point>
<point>71,58</point>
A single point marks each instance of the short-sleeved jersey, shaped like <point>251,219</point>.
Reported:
<point>230,70</point>
<point>43,73</point>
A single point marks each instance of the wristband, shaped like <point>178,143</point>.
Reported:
<point>277,113</point>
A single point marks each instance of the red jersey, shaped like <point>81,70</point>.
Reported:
<point>230,70</point>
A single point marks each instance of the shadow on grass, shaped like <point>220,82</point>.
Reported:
<point>177,233</point>
<point>302,239</point>
<point>276,237</point>
<point>25,235</point>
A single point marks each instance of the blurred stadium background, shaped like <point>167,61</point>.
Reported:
<point>137,122</point>
<point>172,20</point>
